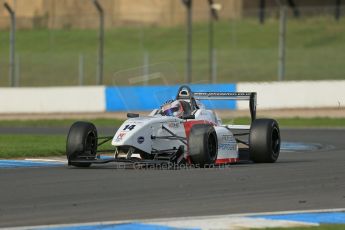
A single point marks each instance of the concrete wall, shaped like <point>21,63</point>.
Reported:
<point>271,95</point>
<point>52,100</point>
<point>296,94</point>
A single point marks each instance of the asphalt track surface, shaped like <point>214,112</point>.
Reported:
<point>60,195</point>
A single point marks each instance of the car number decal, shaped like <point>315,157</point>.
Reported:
<point>129,127</point>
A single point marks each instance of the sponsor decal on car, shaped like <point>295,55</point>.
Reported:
<point>227,138</point>
<point>228,147</point>
<point>140,139</point>
<point>137,122</point>
<point>174,125</point>
<point>120,136</point>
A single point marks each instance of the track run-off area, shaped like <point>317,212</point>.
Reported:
<point>51,193</point>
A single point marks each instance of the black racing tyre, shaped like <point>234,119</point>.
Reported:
<point>264,141</point>
<point>81,140</point>
<point>203,145</point>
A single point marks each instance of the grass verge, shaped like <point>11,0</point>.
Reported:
<point>57,123</point>
<point>283,122</point>
<point>15,146</point>
<point>19,145</point>
<point>22,146</point>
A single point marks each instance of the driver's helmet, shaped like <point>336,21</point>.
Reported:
<point>173,108</point>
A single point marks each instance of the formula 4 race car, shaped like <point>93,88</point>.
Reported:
<point>182,131</point>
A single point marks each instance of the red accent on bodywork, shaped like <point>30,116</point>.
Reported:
<point>189,124</point>
<point>187,127</point>
<point>227,160</point>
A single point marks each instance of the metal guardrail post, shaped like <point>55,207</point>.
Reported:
<point>146,68</point>
<point>213,15</point>
<point>337,10</point>
<point>81,70</point>
<point>282,43</point>
<point>101,43</point>
<point>12,44</point>
<point>188,4</point>
<point>262,8</point>
<point>17,70</point>
<point>294,8</point>
<point>214,66</point>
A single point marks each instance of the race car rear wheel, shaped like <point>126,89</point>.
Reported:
<point>81,141</point>
<point>264,141</point>
<point>203,145</point>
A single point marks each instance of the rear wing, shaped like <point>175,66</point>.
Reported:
<point>184,92</point>
<point>247,96</point>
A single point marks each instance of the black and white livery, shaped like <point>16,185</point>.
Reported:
<point>181,131</point>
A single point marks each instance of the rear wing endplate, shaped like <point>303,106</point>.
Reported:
<point>250,96</point>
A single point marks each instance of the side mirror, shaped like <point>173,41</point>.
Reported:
<point>132,115</point>
<point>185,117</point>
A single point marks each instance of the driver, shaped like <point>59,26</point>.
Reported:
<point>172,108</point>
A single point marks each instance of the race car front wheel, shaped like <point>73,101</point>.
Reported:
<point>264,141</point>
<point>203,145</point>
<point>81,143</point>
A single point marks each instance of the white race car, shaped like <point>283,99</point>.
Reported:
<point>182,131</point>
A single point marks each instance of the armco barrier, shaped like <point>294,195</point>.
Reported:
<point>271,95</point>
<point>52,99</point>
<point>127,98</point>
<point>295,94</point>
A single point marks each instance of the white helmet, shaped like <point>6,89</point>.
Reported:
<point>173,108</point>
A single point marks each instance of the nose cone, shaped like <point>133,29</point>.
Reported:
<point>135,132</point>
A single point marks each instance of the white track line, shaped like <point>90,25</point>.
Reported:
<point>238,220</point>
<point>45,160</point>
<point>231,223</point>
